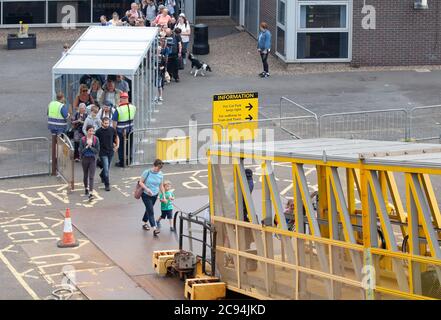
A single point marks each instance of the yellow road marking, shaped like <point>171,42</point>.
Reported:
<point>17,275</point>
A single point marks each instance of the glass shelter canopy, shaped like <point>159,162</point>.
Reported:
<point>127,51</point>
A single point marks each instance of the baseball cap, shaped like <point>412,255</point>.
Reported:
<point>124,95</point>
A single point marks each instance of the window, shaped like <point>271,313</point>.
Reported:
<point>323,16</point>
<point>281,41</point>
<point>108,7</point>
<point>30,12</point>
<point>323,30</point>
<point>281,12</point>
<point>82,9</point>
<point>332,45</point>
<point>281,25</point>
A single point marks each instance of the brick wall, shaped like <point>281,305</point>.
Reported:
<point>403,35</point>
<point>268,14</point>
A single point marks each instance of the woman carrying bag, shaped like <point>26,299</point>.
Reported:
<point>152,184</point>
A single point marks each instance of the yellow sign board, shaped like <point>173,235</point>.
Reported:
<point>237,114</point>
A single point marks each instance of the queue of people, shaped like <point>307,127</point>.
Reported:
<point>98,122</point>
<point>174,39</point>
<point>100,118</point>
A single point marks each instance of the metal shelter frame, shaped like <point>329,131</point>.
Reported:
<point>333,252</point>
<point>127,51</point>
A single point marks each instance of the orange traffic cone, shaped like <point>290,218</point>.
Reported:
<point>68,236</point>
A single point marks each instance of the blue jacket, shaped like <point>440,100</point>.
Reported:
<point>264,40</point>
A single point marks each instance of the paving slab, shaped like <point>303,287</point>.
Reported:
<point>162,288</point>
<point>107,284</point>
<point>117,231</point>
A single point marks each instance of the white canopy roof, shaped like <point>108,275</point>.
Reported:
<point>107,50</point>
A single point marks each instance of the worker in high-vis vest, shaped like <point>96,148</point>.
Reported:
<point>57,114</point>
<point>123,123</point>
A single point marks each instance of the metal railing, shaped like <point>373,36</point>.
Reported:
<point>425,123</point>
<point>188,143</point>
<point>299,107</point>
<point>24,157</point>
<point>389,125</point>
<point>65,160</point>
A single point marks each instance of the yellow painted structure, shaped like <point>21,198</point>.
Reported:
<point>173,149</point>
<point>162,260</point>
<point>205,289</point>
<point>235,116</point>
<point>375,199</point>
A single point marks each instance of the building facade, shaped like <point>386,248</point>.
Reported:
<point>360,32</point>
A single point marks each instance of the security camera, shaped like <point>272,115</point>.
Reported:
<point>421,4</point>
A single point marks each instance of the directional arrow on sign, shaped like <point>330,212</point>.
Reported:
<point>249,106</point>
<point>249,117</point>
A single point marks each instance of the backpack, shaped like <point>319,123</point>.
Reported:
<point>83,139</point>
<point>174,46</point>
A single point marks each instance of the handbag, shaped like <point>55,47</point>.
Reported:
<point>99,163</point>
<point>138,191</point>
<point>167,77</point>
<point>181,63</point>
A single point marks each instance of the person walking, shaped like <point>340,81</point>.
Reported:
<point>92,119</point>
<point>175,54</point>
<point>185,27</point>
<point>77,125</point>
<point>109,143</point>
<point>167,199</point>
<point>123,123</point>
<point>110,93</point>
<point>149,11</point>
<point>264,48</point>
<point>83,97</point>
<point>152,183</point>
<point>89,150</point>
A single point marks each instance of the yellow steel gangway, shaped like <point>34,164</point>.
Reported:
<point>375,233</point>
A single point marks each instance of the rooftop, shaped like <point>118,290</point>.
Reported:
<point>391,153</point>
<point>107,50</point>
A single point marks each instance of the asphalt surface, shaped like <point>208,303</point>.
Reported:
<point>25,93</point>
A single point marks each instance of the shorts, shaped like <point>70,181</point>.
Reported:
<point>167,214</point>
<point>160,82</point>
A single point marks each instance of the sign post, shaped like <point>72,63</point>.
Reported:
<point>237,114</point>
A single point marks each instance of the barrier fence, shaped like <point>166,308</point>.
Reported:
<point>65,160</point>
<point>189,143</point>
<point>371,125</point>
<point>24,157</point>
<point>425,123</point>
<point>31,156</point>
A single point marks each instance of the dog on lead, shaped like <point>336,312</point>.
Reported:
<point>198,66</point>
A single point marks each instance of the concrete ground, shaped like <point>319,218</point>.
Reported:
<point>322,88</point>
<point>31,208</point>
